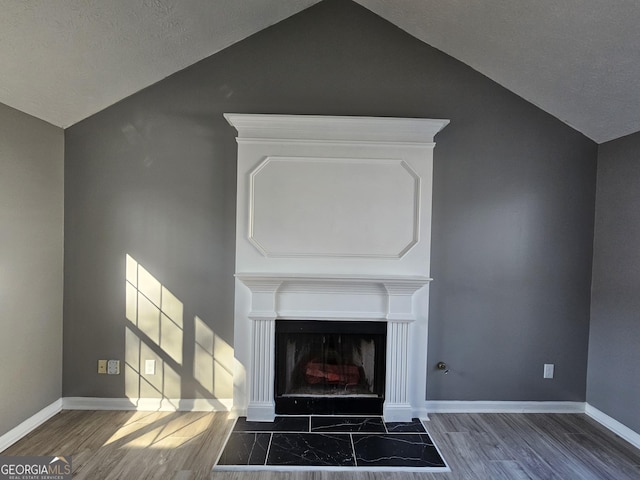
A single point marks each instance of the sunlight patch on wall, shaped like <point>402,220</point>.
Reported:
<point>213,362</point>
<point>155,331</point>
<point>171,326</point>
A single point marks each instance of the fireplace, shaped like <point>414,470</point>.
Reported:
<point>329,367</point>
<point>333,229</point>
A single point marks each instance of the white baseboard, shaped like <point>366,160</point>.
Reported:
<point>30,424</point>
<point>457,406</point>
<point>149,404</point>
<point>421,413</point>
<point>226,405</point>
<point>612,424</point>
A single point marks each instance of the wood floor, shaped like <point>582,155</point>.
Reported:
<point>184,446</point>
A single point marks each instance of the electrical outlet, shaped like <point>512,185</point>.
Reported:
<point>113,367</point>
<point>102,366</point>
<point>149,367</point>
<point>548,370</point>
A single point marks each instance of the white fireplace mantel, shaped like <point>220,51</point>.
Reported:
<point>333,224</point>
<point>331,298</point>
<point>271,294</point>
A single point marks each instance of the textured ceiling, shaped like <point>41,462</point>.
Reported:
<point>63,60</point>
<point>579,60</point>
<point>576,59</point>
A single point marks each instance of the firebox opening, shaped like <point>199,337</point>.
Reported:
<point>329,367</point>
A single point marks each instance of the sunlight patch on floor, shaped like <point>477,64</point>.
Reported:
<point>160,430</point>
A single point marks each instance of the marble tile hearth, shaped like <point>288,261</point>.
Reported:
<point>330,443</point>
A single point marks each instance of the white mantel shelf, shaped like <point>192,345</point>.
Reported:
<point>409,282</point>
<point>368,297</point>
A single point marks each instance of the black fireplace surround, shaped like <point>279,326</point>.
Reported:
<point>329,367</point>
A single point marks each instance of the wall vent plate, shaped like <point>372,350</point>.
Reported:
<point>113,367</point>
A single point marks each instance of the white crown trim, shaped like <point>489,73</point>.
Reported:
<point>338,128</point>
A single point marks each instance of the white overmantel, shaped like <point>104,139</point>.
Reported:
<point>333,223</point>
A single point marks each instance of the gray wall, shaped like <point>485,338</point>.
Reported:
<point>614,340</point>
<point>31,209</point>
<point>153,177</point>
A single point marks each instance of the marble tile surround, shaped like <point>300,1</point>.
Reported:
<point>332,443</point>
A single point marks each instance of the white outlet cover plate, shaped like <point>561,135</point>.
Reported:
<point>113,367</point>
<point>548,370</point>
<point>150,367</point>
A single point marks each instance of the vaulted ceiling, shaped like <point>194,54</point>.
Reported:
<point>579,60</point>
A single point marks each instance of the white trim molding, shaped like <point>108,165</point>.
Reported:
<point>226,405</point>
<point>462,406</point>
<point>456,406</point>
<point>338,129</point>
<point>149,404</point>
<point>612,424</point>
<point>30,424</point>
<point>329,184</point>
